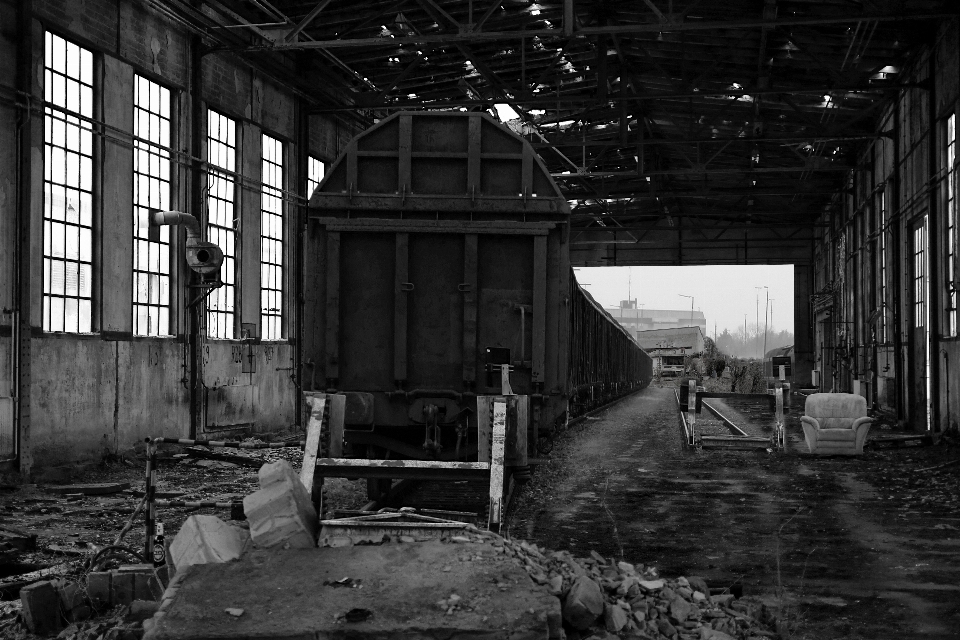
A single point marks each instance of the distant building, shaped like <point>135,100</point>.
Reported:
<point>670,348</point>
<point>634,319</point>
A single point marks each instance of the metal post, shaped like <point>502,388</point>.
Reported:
<point>692,411</point>
<point>499,439</point>
<point>150,483</point>
<point>781,440</point>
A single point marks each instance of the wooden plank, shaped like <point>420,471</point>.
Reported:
<point>470,306</point>
<point>333,305</point>
<point>338,409</point>
<point>405,142</point>
<point>364,463</point>
<point>496,463</point>
<point>401,274</point>
<point>316,403</point>
<point>484,404</point>
<point>539,320</point>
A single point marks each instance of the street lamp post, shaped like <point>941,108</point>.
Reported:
<point>758,312</point>
<point>691,306</point>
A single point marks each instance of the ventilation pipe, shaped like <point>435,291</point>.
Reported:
<point>202,256</point>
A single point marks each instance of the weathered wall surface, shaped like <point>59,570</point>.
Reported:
<point>883,275</point>
<point>104,391</point>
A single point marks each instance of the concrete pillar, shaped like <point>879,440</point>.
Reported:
<point>249,283</point>
<point>116,228</point>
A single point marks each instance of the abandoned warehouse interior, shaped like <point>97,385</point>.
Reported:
<point>821,135</point>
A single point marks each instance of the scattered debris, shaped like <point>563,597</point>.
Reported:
<point>98,489</point>
<point>236,613</point>
<point>204,539</point>
<point>281,512</point>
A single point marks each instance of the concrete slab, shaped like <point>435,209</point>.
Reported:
<point>418,590</point>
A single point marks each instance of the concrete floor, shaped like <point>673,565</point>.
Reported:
<point>847,548</point>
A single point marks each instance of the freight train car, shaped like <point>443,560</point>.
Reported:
<point>438,252</point>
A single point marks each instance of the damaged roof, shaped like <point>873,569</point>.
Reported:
<point>732,120</point>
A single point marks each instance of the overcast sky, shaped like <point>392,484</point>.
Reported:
<point>723,293</point>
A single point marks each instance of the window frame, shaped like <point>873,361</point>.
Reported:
<point>59,124</point>
<point>949,159</point>
<point>222,181</point>
<point>157,153</point>
<point>273,221</point>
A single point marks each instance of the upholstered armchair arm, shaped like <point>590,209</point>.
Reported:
<point>811,429</point>
<point>862,427</point>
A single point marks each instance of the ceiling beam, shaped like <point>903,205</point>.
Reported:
<point>552,100</point>
<point>622,30</point>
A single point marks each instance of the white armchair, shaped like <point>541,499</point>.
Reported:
<point>835,423</point>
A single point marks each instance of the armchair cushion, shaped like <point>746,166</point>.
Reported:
<point>836,423</point>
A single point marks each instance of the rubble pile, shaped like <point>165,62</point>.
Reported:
<point>604,598</point>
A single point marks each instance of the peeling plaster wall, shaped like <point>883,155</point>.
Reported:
<point>105,391</point>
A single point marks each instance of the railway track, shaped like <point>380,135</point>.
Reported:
<point>462,497</point>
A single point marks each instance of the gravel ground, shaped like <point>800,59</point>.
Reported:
<point>842,548</point>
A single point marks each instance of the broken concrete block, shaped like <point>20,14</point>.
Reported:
<point>204,539</point>
<point>650,585</point>
<point>72,600</point>
<point>98,589</point>
<point>141,610</point>
<point>122,585</point>
<point>699,584</point>
<point>614,618</point>
<point>281,512</point>
<point>147,587</point>
<point>41,608</point>
<point>680,609</point>
<point>583,604</point>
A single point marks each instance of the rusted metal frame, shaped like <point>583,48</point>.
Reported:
<point>410,68</point>
<point>432,203</point>
<point>376,225</point>
<point>438,14</point>
<point>479,24</point>
<point>307,19</point>
<point>804,116</point>
<point>557,175</point>
<point>663,19</point>
<point>861,115</point>
<point>552,100</point>
<point>333,305</point>
<point>569,18</point>
<point>362,22</point>
<point>479,36</point>
<point>712,66</point>
<point>400,301</point>
<point>599,142</point>
<point>793,40</point>
<point>717,116</point>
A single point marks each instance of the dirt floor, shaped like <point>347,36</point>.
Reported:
<point>843,547</point>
